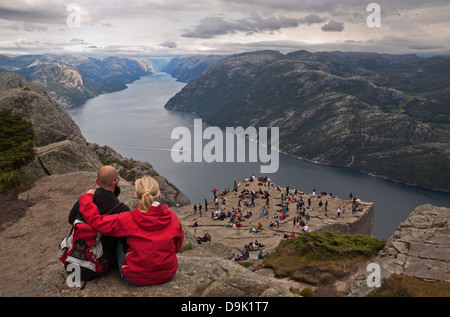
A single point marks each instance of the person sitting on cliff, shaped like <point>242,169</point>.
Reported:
<point>153,232</point>
<point>206,237</point>
<point>107,202</point>
<point>245,255</point>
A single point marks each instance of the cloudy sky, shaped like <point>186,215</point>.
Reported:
<point>173,27</point>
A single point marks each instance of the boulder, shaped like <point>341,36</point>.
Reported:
<point>418,248</point>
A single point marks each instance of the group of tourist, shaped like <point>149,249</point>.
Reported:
<point>290,199</point>
<point>252,246</point>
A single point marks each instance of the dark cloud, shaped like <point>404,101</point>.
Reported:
<point>169,44</point>
<point>47,11</point>
<point>30,27</point>
<point>211,27</point>
<point>425,47</point>
<point>333,26</point>
<point>56,13</point>
<point>312,19</point>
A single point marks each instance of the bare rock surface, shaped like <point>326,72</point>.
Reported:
<point>29,264</point>
<point>418,248</point>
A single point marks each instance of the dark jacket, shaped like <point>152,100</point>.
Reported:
<point>106,201</point>
<point>107,204</point>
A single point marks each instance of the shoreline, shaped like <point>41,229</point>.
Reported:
<point>369,174</point>
<point>372,174</point>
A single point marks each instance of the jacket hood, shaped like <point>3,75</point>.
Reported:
<point>157,218</point>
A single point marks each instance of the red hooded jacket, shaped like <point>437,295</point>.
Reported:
<point>153,237</point>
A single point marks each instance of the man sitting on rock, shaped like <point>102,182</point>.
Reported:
<point>105,198</point>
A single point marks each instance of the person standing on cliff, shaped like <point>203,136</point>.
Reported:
<point>238,227</point>
<point>107,202</point>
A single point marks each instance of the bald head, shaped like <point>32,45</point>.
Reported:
<point>107,178</point>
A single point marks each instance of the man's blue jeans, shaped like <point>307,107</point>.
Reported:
<point>120,259</point>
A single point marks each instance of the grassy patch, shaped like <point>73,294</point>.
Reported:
<point>321,258</point>
<point>186,247</point>
<point>331,245</point>
<point>406,286</point>
<point>246,264</point>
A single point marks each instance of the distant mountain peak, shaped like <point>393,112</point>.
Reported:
<point>72,79</point>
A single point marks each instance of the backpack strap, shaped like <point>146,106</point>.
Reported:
<point>113,209</point>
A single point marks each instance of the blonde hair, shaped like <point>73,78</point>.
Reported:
<point>147,190</point>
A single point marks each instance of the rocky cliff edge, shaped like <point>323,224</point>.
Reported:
<point>29,264</point>
<point>418,248</point>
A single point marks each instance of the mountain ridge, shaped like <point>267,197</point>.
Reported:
<point>335,108</point>
<point>73,79</point>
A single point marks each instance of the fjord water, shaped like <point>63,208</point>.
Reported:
<point>134,123</point>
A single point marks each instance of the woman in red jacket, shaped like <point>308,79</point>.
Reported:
<point>154,234</point>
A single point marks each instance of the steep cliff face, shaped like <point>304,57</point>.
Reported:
<point>51,123</point>
<point>339,109</point>
<point>60,146</point>
<point>186,68</point>
<point>64,83</point>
